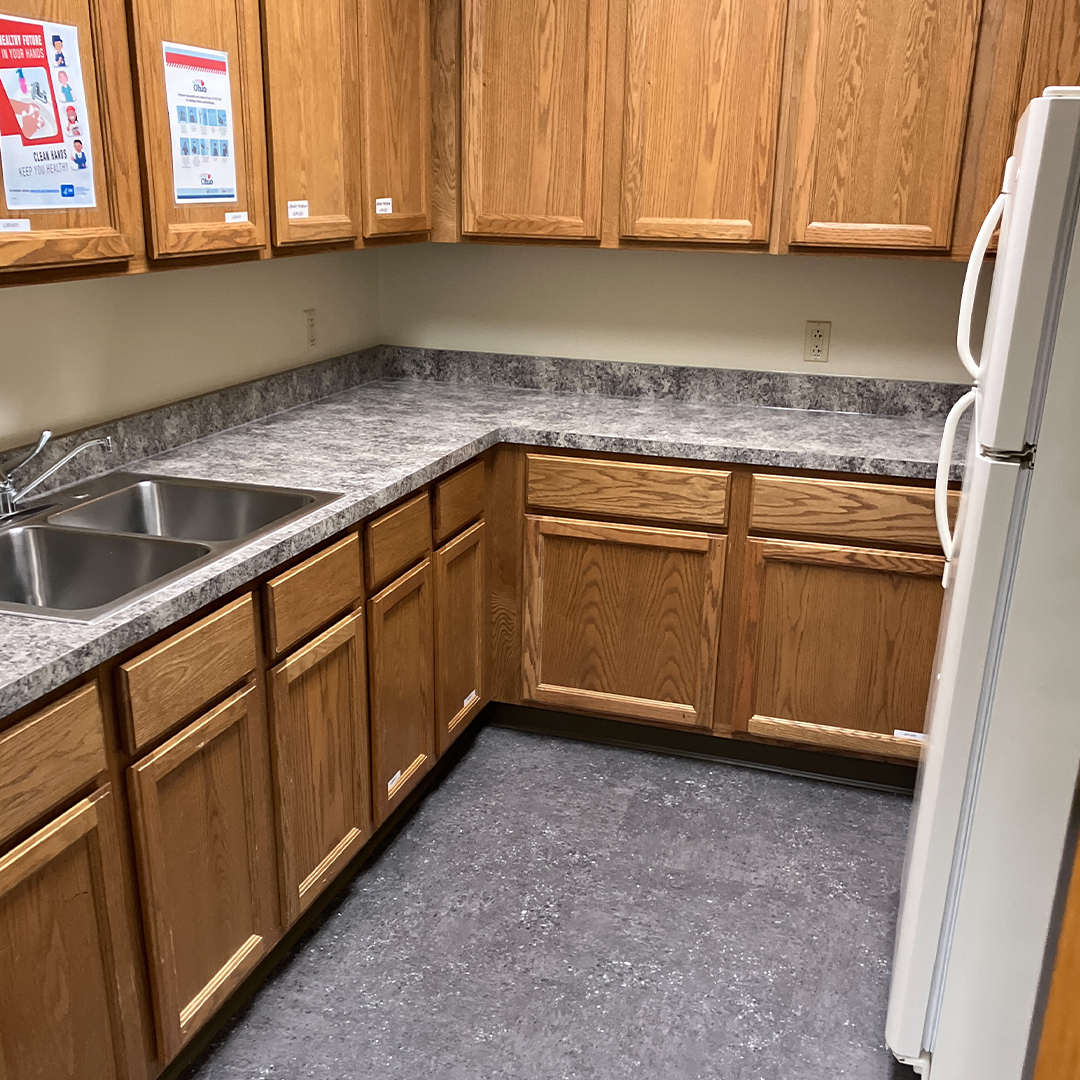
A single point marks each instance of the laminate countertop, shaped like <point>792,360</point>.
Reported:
<point>386,438</point>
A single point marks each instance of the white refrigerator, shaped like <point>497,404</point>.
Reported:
<point>1000,762</point>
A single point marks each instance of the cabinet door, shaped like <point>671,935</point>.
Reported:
<point>203,846</point>
<point>701,110</point>
<point>837,645</point>
<point>198,222</point>
<point>461,612</point>
<point>66,978</point>
<point>622,619</point>
<point>881,96</point>
<point>313,131</point>
<point>532,114</point>
<point>396,53</point>
<point>319,745</point>
<point>106,224</point>
<point>402,698</point>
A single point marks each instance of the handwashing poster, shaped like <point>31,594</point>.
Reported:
<point>45,151</point>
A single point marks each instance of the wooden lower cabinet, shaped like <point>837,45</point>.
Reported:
<point>67,984</point>
<point>461,616</point>
<point>203,842</point>
<point>622,619</point>
<point>401,687</point>
<point>321,765</point>
<point>837,645</point>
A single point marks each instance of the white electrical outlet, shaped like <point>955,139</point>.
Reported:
<point>816,344</point>
<point>309,318</point>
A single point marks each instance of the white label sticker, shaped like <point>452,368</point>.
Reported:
<point>917,736</point>
<point>298,208</point>
<point>384,206</point>
<point>15,224</point>
<point>237,217</point>
<point>393,780</point>
<point>470,699</point>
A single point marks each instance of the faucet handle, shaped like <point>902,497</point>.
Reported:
<point>45,437</point>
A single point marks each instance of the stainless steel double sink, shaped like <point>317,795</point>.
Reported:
<point>85,552</point>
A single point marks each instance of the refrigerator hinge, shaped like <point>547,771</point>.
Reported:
<point>921,1064</point>
<point>1024,458</point>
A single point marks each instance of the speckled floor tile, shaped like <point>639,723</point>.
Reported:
<point>561,910</point>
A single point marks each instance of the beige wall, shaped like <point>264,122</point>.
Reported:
<point>75,353</point>
<point>890,317</point>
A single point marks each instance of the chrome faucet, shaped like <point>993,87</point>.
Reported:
<point>10,493</point>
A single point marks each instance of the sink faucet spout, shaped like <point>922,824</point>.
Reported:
<point>10,493</point>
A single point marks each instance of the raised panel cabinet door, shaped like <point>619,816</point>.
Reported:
<point>109,229</point>
<point>201,824</point>
<point>622,619</point>
<point>837,645</point>
<point>401,690</point>
<point>319,749</point>
<point>702,104</point>
<point>880,101</point>
<point>312,119</point>
<point>67,983</point>
<point>195,224</point>
<point>532,113</point>
<point>461,614</point>
<point>395,50</point>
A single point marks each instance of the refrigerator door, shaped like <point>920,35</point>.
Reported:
<point>1043,185</point>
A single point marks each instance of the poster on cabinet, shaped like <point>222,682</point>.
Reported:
<point>45,151</point>
<point>199,100</point>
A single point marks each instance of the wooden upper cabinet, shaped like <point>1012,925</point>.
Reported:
<point>102,180</point>
<point>313,123</point>
<point>701,105</point>
<point>880,94</point>
<point>395,52</point>
<point>532,116</point>
<point>197,223</point>
<point>1052,55</point>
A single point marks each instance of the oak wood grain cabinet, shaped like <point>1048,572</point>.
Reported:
<point>701,101</point>
<point>196,225</point>
<point>203,834</point>
<point>67,982</point>
<point>622,619</point>
<point>401,687</point>
<point>879,96</point>
<point>321,764</point>
<point>313,119</point>
<point>108,230</point>
<point>532,117</point>
<point>395,50</point>
<point>461,633</point>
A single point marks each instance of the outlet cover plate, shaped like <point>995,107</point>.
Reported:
<point>816,343</point>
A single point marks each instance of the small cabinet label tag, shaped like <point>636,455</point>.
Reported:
<point>917,736</point>
<point>298,208</point>
<point>384,206</point>
<point>15,224</point>
<point>236,217</point>
<point>470,699</point>
<point>393,780</point>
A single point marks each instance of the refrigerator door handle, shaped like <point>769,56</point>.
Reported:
<point>971,285</point>
<point>941,482</point>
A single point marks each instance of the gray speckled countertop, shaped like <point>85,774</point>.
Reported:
<point>381,440</point>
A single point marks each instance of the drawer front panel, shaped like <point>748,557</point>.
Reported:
<point>181,675</point>
<point>397,540</point>
<point>847,510</point>
<point>627,489</point>
<point>308,596</point>
<point>459,501</point>
<point>48,757</point>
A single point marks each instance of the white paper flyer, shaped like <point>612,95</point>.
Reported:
<point>45,151</point>
<point>200,117</point>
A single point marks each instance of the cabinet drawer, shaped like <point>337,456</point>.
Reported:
<point>628,489</point>
<point>308,596</point>
<point>397,540</point>
<point>48,757</point>
<point>459,501</point>
<point>181,675</point>
<point>847,510</point>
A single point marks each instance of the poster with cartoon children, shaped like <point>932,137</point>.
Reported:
<point>46,155</point>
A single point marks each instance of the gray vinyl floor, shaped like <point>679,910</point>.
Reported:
<point>557,909</point>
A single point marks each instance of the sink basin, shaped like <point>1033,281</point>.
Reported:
<point>186,510</point>
<point>45,570</point>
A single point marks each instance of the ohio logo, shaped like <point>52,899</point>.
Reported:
<point>206,179</point>
<point>199,86</point>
